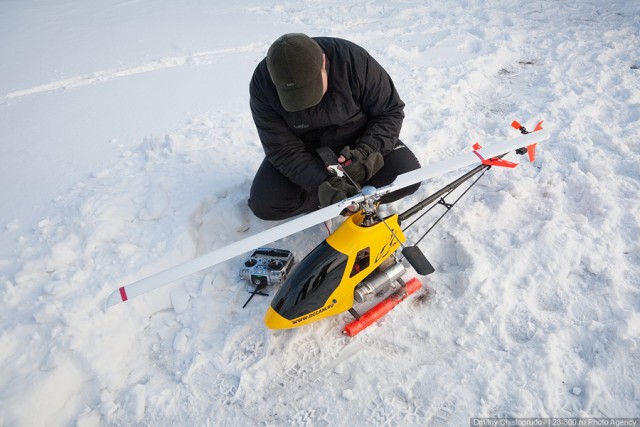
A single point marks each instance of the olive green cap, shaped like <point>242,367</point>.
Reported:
<point>295,62</point>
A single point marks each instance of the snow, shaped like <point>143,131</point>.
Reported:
<point>127,147</point>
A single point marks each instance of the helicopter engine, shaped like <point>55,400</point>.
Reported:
<point>379,282</point>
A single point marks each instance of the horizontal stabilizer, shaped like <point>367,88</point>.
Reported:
<point>496,161</point>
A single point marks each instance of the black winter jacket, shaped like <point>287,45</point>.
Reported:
<point>361,106</point>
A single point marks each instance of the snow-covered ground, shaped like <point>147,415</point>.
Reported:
<point>127,146</point>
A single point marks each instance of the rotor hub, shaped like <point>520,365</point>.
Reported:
<point>369,205</point>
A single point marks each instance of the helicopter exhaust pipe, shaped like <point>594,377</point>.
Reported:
<point>382,308</point>
<point>378,283</point>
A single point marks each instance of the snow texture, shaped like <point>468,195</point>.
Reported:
<point>127,147</point>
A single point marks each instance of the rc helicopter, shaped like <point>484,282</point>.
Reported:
<point>364,259</point>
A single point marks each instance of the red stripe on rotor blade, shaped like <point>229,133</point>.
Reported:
<point>123,294</point>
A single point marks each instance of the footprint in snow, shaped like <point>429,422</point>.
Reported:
<point>244,347</point>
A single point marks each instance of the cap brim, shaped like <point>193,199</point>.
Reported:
<point>303,97</point>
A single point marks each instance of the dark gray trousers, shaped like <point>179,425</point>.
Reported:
<point>274,197</point>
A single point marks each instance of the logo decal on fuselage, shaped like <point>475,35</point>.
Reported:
<point>387,249</point>
<point>314,313</point>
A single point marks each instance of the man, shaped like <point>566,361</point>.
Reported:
<point>313,99</point>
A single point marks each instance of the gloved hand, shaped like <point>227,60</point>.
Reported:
<point>335,190</point>
<point>361,163</point>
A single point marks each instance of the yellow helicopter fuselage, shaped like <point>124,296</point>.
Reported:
<point>323,284</point>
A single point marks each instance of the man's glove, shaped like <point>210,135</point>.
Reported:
<point>361,162</point>
<point>335,190</point>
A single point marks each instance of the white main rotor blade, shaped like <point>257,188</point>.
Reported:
<point>219,255</point>
<point>301,223</point>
